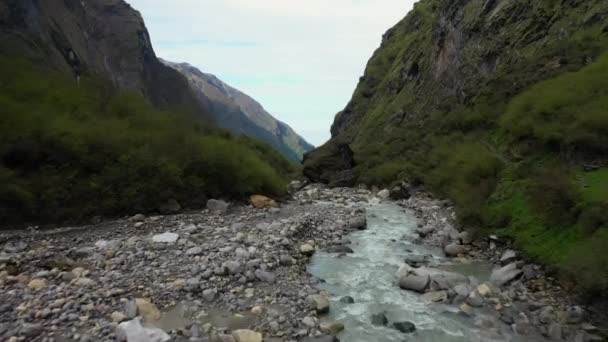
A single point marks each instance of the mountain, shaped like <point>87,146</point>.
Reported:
<point>239,113</point>
<point>93,124</point>
<point>499,105</point>
<point>107,39</point>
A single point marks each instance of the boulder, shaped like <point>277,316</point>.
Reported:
<point>400,192</point>
<point>384,194</point>
<point>170,207</point>
<point>347,300</point>
<point>307,249</point>
<point>508,256</point>
<point>165,238</point>
<point>264,276</point>
<point>245,335</point>
<point>414,283</point>
<point>331,327</point>
<point>359,223</point>
<point>319,302</point>
<point>454,249</point>
<point>133,331</point>
<point>435,297</point>
<point>502,276</point>
<point>262,202</point>
<point>217,206</point>
<point>148,311</point>
<point>380,319</point>
<point>405,327</point>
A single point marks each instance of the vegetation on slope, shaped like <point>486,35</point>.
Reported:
<point>504,110</point>
<point>71,151</point>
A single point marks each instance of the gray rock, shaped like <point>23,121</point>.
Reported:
<point>15,246</point>
<point>475,299</point>
<point>319,302</point>
<point>209,294</point>
<point>546,315</point>
<point>384,194</point>
<point>131,309</point>
<point>167,237</point>
<point>231,267</point>
<point>575,315</point>
<point>359,223</point>
<point>194,251</point>
<point>508,256</point>
<point>30,329</point>
<point>264,276</point>
<point>555,331</point>
<point>217,206</point>
<point>454,249</point>
<point>505,274</point>
<point>321,339</point>
<point>414,283</point>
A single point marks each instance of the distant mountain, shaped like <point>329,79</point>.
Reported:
<point>241,114</point>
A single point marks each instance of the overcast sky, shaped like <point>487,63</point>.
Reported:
<point>301,59</point>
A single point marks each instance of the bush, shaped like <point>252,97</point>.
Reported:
<point>570,110</point>
<point>467,173</point>
<point>69,152</point>
<point>554,196</point>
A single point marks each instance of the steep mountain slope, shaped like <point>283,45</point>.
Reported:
<point>107,39</point>
<point>500,105</point>
<point>241,114</point>
<point>92,123</point>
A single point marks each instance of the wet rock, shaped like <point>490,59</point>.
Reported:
<point>435,297</point>
<point>347,300</point>
<point>475,299</point>
<point>331,327</point>
<point>340,249</point>
<point>505,274</point>
<point>414,283</point>
<point>379,319</point>
<point>244,335</point>
<point>167,237</point>
<point>319,302</point>
<point>484,290</point>
<point>359,223</point>
<point>217,206</point>
<point>405,327</point>
<point>148,311</point>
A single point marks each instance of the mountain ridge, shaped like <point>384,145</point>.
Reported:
<point>240,113</point>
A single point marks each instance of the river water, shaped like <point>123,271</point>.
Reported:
<point>369,277</point>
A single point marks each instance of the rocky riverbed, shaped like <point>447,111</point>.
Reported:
<point>240,273</point>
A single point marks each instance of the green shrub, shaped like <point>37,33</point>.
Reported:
<point>69,152</point>
<point>554,195</point>
<point>570,110</point>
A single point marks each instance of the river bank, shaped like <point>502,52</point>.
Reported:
<point>236,273</point>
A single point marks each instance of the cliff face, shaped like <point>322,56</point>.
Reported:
<point>447,57</point>
<point>106,38</point>
<point>239,113</point>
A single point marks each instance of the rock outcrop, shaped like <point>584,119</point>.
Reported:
<point>240,114</point>
<point>106,39</point>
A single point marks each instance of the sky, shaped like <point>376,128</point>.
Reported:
<point>301,59</point>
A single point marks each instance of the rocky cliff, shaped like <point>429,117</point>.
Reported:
<point>104,38</point>
<point>241,114</point>
<point>499,105</point>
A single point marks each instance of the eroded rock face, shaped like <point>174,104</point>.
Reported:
<point>105,38</point>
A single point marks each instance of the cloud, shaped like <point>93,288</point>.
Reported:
<point>300,58</point>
